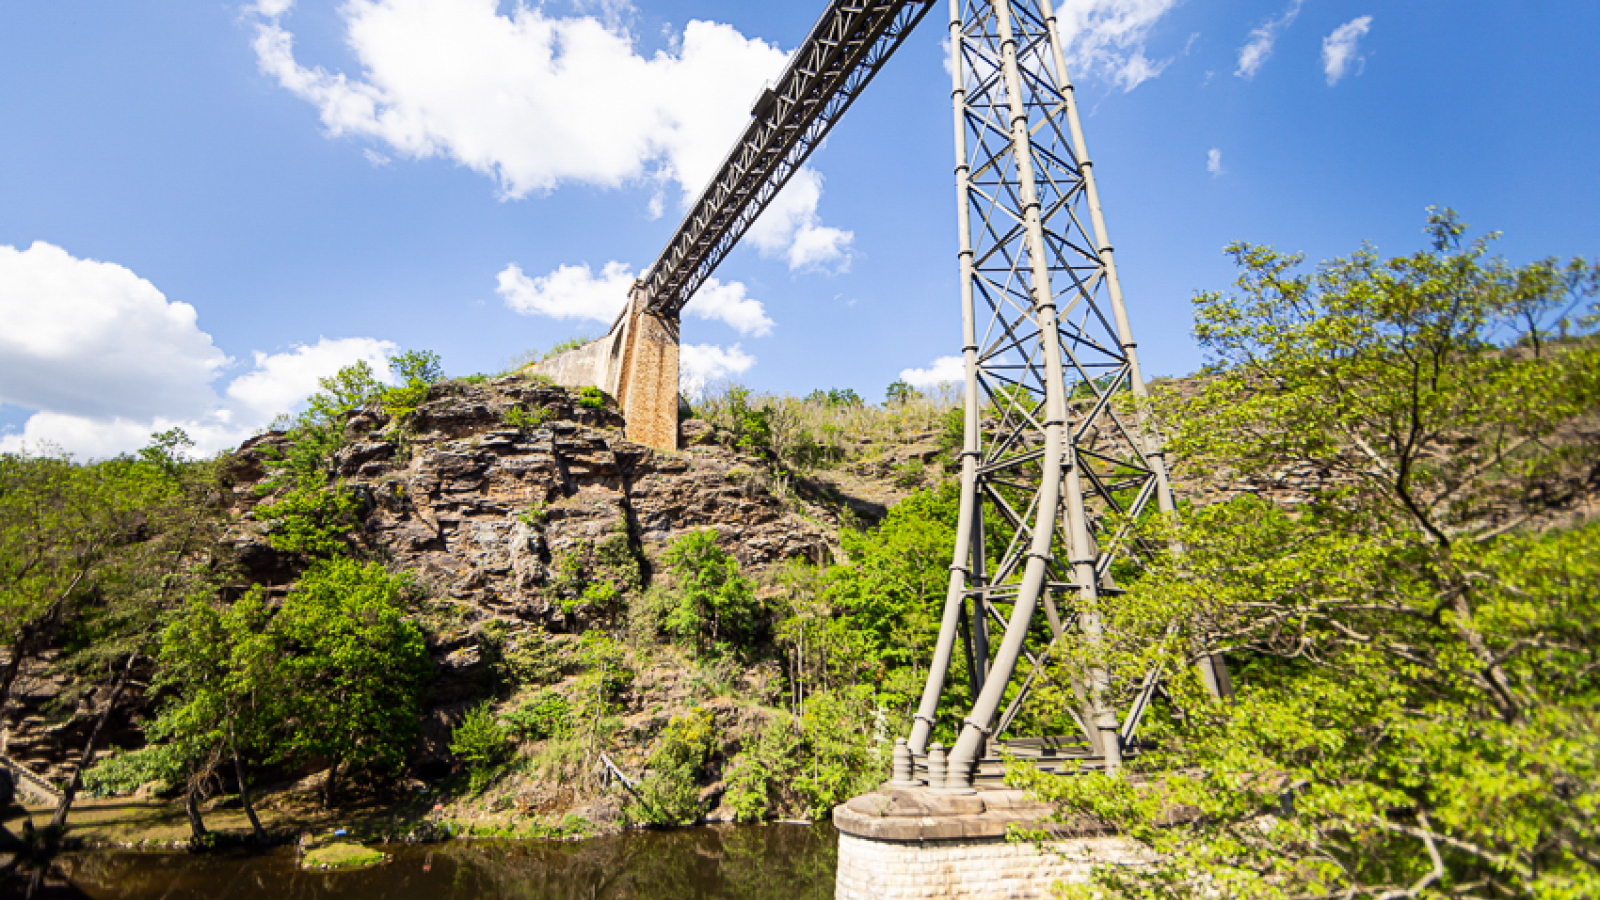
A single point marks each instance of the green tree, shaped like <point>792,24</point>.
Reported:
<point>218,667</point>
<point>482,743</point>
<point>351,669</point>
<point>901,392</point>
<point>714,604</point>
<point>1417,664</point>
<point>91,558</point>
<point>889,594</point>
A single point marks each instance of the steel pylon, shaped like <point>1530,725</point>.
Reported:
<point>1054,469</point>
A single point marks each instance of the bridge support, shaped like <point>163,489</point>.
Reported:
<point>901,843</point>
<point>637,363</point>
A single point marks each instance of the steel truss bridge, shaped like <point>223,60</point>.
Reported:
<point>1053,470</point>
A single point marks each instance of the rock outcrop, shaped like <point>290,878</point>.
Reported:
<point>499,515</point>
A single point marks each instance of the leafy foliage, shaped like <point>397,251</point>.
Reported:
<point>592,397</point>
<point>352,667</point>
<point>482,743</point>
<point>544,714</point>
<point>312,518</point>
<point>670,793</point>
<point>715,606</point>
<point>1417,670</point>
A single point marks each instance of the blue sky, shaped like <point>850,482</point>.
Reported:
<point>205,206</point>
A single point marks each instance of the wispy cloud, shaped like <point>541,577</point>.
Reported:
<point>1254,54</point>
<point>1339,48</point>
<point>1106,38</point>
<point>1214,162</point>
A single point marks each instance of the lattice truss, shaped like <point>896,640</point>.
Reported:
<point>1055,467</point>
<point>835,63</point>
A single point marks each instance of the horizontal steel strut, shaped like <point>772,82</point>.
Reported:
<point>844,50</point>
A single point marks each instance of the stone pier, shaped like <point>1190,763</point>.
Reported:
<point>913,843</point>
<point>637,363</point>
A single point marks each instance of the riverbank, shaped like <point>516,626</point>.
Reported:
<point>129,824</point>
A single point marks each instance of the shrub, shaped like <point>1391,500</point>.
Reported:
<point>526,420</point>
<point>715,602</point>
<point>125,771</point>
<point>482,743</point>
<point>670,792</point>
<point>311,518</point>
<point>568,344</point>
<point>545,714</point>
<point>592,397</point>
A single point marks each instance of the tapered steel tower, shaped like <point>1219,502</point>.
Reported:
<point>1053,467</point>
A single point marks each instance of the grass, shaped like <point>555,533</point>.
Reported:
<point>813,433</point>
<point>341,855</point>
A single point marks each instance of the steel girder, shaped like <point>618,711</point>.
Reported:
<point>844,50</point>
<point>1054,468</point>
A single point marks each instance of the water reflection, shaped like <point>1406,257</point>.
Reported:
<point>745,863</point>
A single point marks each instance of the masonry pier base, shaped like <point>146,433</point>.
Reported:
<point>920,844</point>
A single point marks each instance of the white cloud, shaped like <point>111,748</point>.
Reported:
<point>944,370</point>
<point>536,101</point>
<point>1253,55</point>
<point>271,7</point>
<point>105,360</point>
<point>728,303</point>
<point>701,364</point>
<point>791,228</point>
<point>1106,38</point>
<point>1214,161</point>
<point>92,338</point>
<point>570,292</point>
<point>279,381</point>
<point>574,292</point>
<point>1339,48</point>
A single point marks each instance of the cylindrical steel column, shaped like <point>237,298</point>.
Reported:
<point>1046,510</point>
<point>967,523</point>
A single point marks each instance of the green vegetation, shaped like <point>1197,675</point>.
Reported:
<point>713,607</point>
<point>568,344</point>
<point>520,418</point>
<point>670,794</point>
<point>1414,646</point>
<point>592,397</point>
<point>827,428</point>
<point>482,743</point>
<point>341,855</point>
<point>1416,665</point>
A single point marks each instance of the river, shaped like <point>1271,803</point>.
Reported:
<point>755,862</point>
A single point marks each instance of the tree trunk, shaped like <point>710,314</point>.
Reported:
<point>71,791</point>
<point>328,785</point>
<point>191,808</point>
<point>22,643</point>
<point>244,790</point>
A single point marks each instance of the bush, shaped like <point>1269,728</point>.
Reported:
<point>671,792</point>
<point>125,771</point>
<point>545,714</point>
<point>592,397</point>
<point>312,518</point>
<point>482,743</point>
<point>568,344</point>
<point>526,420</point>
<point>715,603</point>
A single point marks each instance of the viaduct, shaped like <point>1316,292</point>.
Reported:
<point>1053,469</point>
